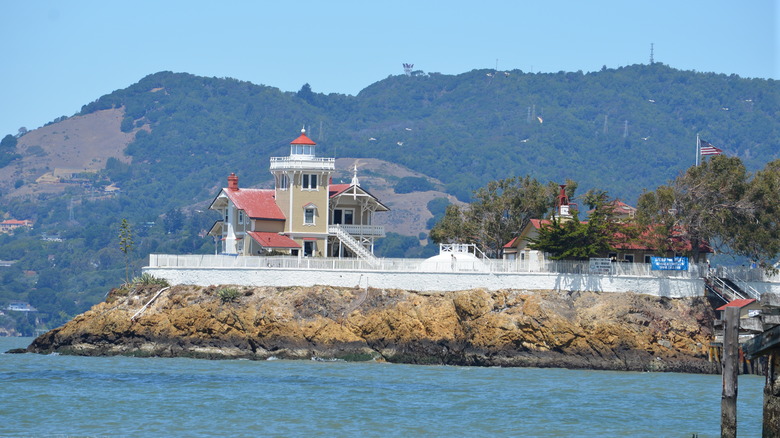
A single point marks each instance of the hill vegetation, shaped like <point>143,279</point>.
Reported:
<point>623,130</point>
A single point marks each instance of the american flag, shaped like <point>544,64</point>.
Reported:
<point>706,148</point>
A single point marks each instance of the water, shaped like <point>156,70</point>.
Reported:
<point>56,395</point>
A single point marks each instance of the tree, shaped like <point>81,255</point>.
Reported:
<point>306,94</point>
<point>499,212</point>
<point>707,205</point>
<point>568,238</point>
<point>126,245</point>
<point>173,221</point>
<point>411,184</point>
<point>453,226</point>
<point>8,143</point>
<point>756,233</point>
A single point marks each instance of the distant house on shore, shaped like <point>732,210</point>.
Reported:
<point>9,225</point>
<point>19,306</point>
<point>304,214</point>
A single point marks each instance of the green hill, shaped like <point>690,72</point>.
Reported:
<point>621,130</point>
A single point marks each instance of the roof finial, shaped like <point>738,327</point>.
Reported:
<point>355,180</point>
<point>303,129</point>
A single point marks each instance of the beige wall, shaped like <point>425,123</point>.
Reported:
<point>302,197</point>
<point>268,226</point>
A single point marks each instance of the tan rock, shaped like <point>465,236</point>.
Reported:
<point>470,327</point>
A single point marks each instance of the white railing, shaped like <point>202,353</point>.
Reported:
<point>353,244</point>
<point>303,163</point>
<point>744,274</point>
<point>409,265</point>
<point>364,230</point>
<point>469,248</point>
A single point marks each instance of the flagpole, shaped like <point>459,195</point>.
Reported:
<point>697,149</point>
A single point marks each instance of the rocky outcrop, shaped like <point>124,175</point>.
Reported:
<point>616,331</point>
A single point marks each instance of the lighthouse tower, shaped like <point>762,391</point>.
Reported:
<point>301,192</point>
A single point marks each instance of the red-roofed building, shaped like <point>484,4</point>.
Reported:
<point>745,305</point>
<point>9,225</point>
<point>631,251</point>
<point>303,215</point>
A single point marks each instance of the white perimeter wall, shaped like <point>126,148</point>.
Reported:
<point>449,281</point>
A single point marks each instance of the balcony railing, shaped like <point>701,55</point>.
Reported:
<point>362,230</point>
<point>303,163</point>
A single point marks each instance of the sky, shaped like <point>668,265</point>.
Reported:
<point>56,56</point>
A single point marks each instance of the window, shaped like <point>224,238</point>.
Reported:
<point>343,216</point>
<point>240,216</point>
<point>309,247</point>
<point>283,182</point>
<point>301,149</point>
<point>309,182</point>
<point>308,215</point>
<point>226,216</point>
<point>648,259</point>
<point>628,258</point>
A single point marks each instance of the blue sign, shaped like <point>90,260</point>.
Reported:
<point>669,263</point>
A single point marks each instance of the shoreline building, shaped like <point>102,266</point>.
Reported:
<point>305,214</point>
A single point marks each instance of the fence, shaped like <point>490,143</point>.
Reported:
<point>411,265</point>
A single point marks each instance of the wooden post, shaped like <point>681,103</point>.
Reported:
<point>771,426</point>
<point>728,401</point>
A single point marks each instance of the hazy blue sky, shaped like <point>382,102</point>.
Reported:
<point>56,56</point>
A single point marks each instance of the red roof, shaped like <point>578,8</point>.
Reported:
<point>643,243</point>
<point>257,203</point>
<point>303,139</point>
<point>335,189</point>
<point>737,303</point>
<point>272,240</point>
<point>15,222</point>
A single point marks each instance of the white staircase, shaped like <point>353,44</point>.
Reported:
<point>354,245</point>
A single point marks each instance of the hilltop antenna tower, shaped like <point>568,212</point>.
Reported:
<point>651,54</point>
<point>625,129</point>
<point>606,128</point>
<point>408,69</point>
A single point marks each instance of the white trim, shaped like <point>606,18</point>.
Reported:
<point>313,209</point>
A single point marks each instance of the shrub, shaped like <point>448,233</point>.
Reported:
<point>149,279</point>
<point>228,294</point>
<point>411,184</point>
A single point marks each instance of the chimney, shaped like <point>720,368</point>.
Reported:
<point>563,202</point>
<point>232,182</point>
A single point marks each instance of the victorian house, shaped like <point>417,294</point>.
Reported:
<point>304,214</point>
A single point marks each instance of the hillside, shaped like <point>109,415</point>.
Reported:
<point>169,141</point>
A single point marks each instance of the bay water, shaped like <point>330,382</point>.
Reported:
<point>55,395</point>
